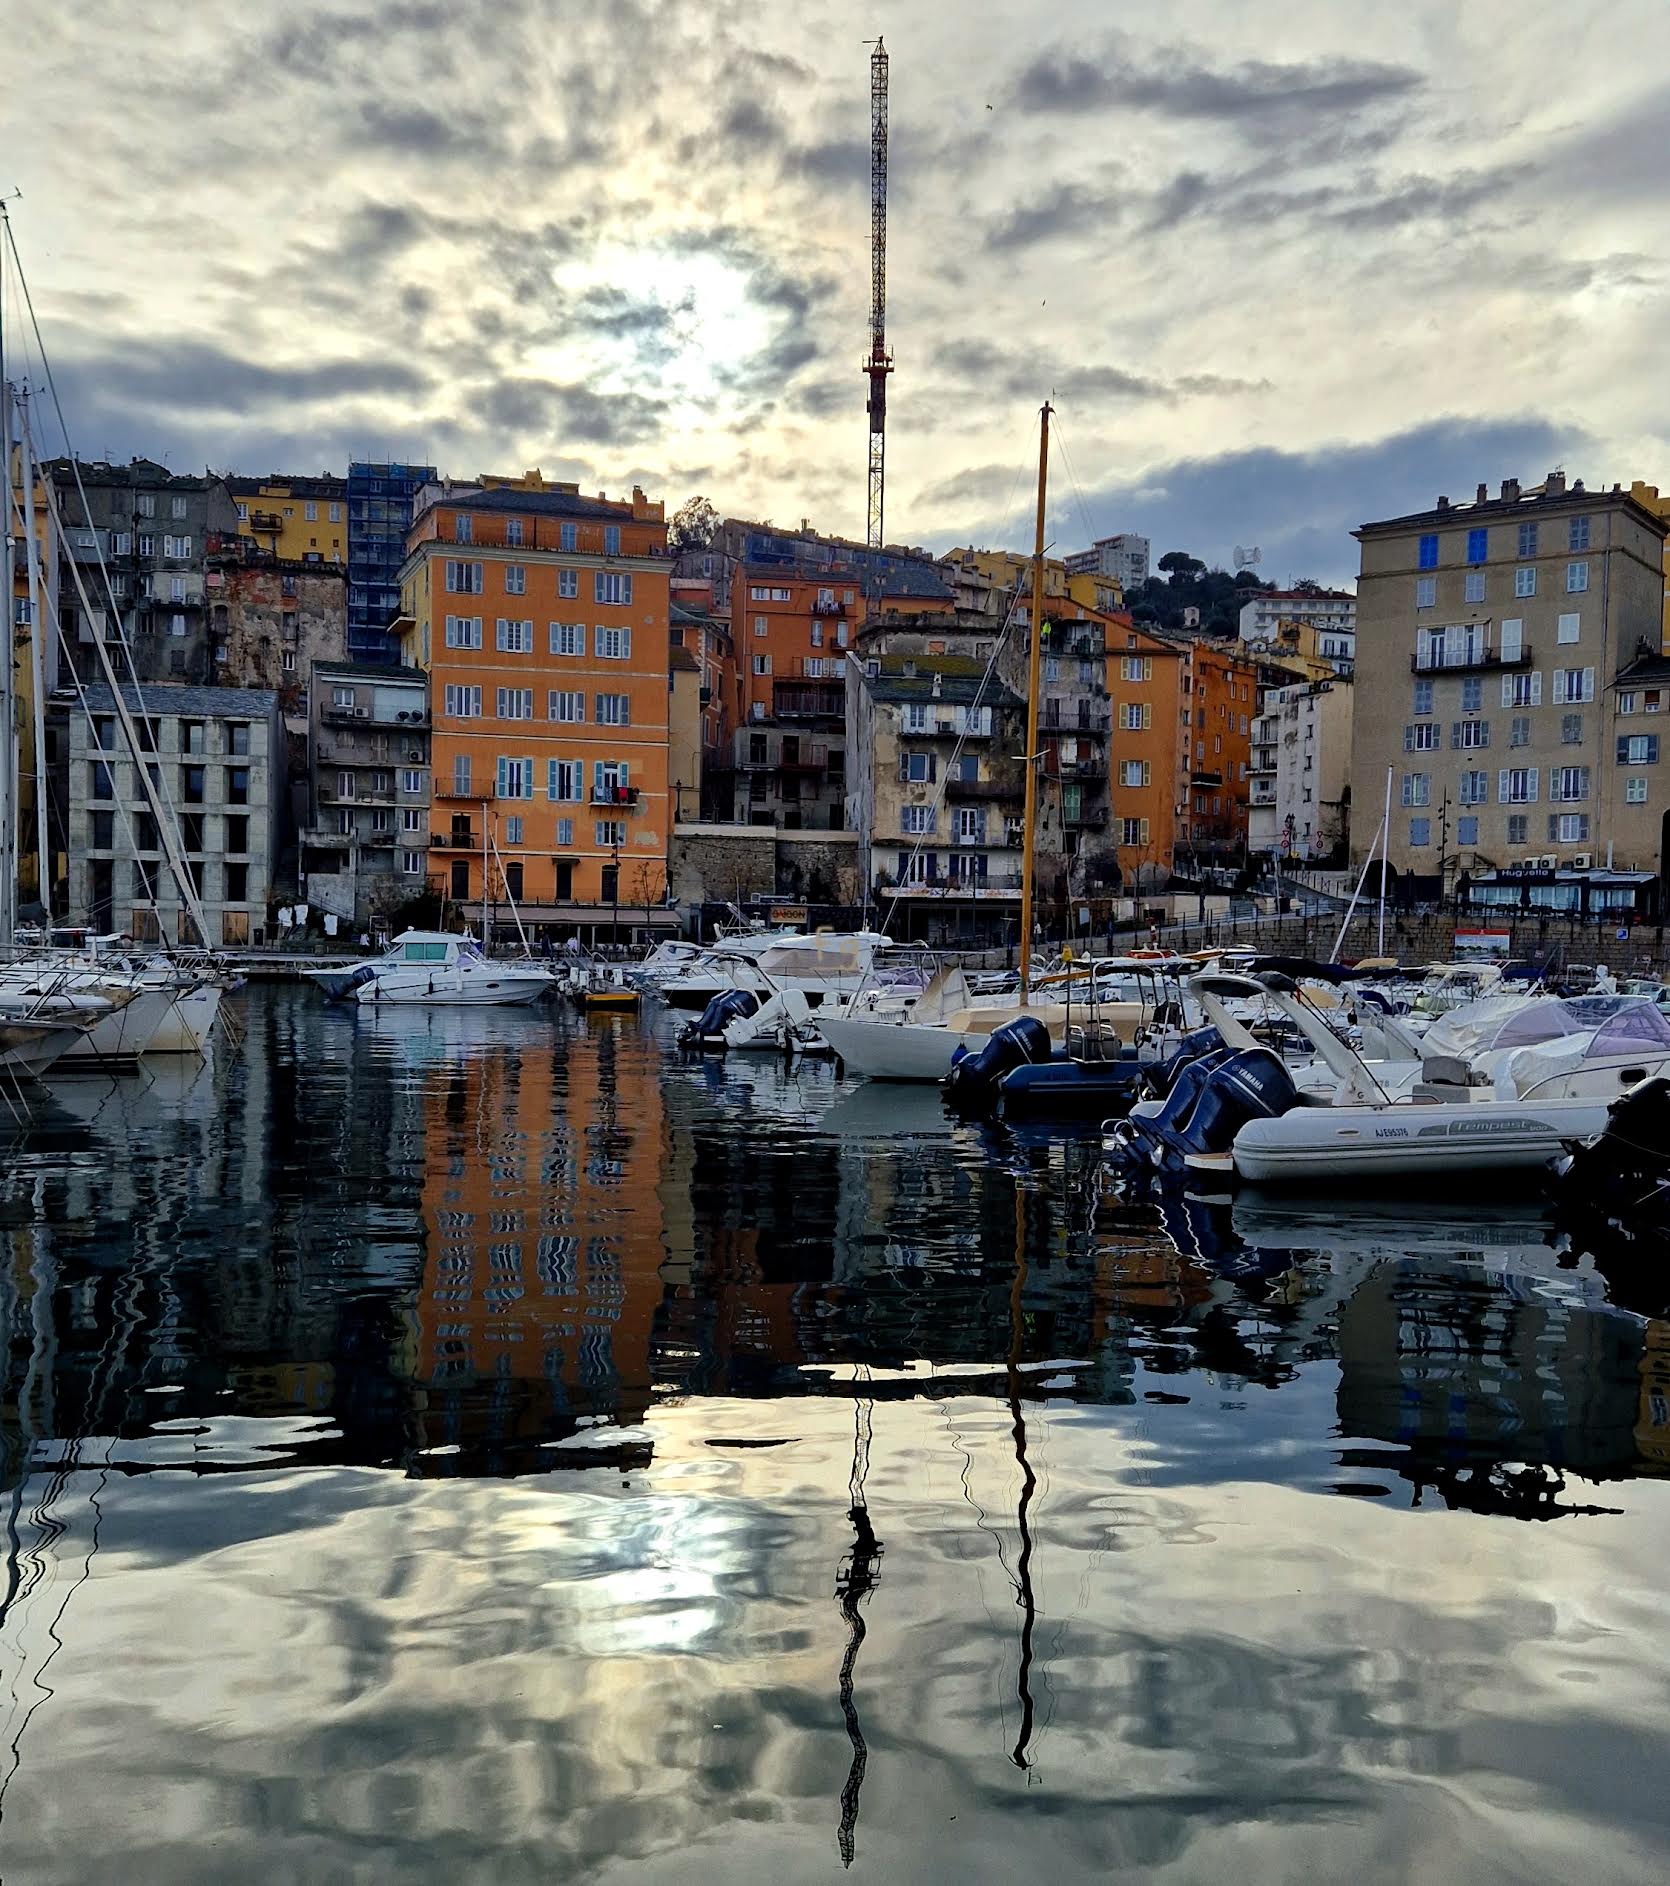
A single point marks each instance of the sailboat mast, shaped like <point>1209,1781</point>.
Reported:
<point>8,707</point>
<point>486,943</point>
<point>1029,835</point>
<point>37,654</point>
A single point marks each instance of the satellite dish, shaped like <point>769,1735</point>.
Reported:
<point>1245,558</point>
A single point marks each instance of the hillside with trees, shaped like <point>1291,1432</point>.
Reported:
<point>1184,582</point>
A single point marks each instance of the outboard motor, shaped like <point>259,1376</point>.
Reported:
<point>972,1084</point>
<point>1160,1076</point>
<point>730,1005</point>
<point>1252,1084</point>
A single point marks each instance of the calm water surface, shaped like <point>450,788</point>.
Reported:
<point>456,1447</point>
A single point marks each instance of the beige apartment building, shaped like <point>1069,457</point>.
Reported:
<point>1491,637</point>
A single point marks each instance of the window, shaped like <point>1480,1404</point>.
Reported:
<point>237,785</point>
<point>236,880</point>
<point>1134,772</point>
<point>1518,829</point>
<point>1133,831</point>
<point>1136,667</point>
<point>411,819</point>
<point>1467,830</point>
<point>1525,580</point>
<point>147,545</point>
<point>515,579</point>
<point>1573,684</point>
<point>913,717</point>
<point>411,779</point>
<point>1134,716</point>
<point>176,546</point>
<point>1577,579</point>
<point>515,638</point>
<point>177,508</point>
<point>513,533</point>
<point>1423,697</point>
<point>514,778</point>
<point>1571,730</point>
<point>1626,701</point>
<point>463,579</point>
<point>461,774</point>
<point>612,644</point>
<point>1469,734</point>
<point>568,582</point>
<point>102,831</point>
<point>565,704</point>
<point>411,862</point>
<point>336,513</point>
<point>1428,558</point>
<point>611,540</point>
<point>1475,788</point>
<point>565,831</point>
<point>1578,537</point>
<point>243,513</point>
<point>1417,789</point>
<point>1570,628</point>
<point>177,626</point>
<point>463,529</point>
<point>1522,690</point>
<point>1519,731</point>
<point>194,737</point>
<point>918,768</point>
<point>1517,785</point>
<point>1478,546</point>
<point>1472,695</point>
<point>145,505</point>
<point>610,835</point>
<point>1420,737</point>
<point>1426,591</point>
<point>237,834</point>
<point>1420,831</point>
<point>568,638</point>
<point>971,825</point>
<point>1652,700</point>
<point>916,821</point>
<point>1635,790</point>
<point>1513,638</point>
<point>611,586</point>
<point>513,830</point>
<point>1474,586</point>
<point>568,536</point>
<point>1567,784</point>
<point>614,710</point>
<point>463,631</point>
<point>515,704</point>
<point>1568,828</point>
<point>193,780</point>
<point>1638,749</point>
<point>564,779</point>
<point>1527,540</point>
<point>762,664</point>
<point>463,703</point>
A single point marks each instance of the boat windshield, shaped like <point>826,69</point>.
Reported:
<point>426,952</point>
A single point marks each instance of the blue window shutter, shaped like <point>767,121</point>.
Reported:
<point>597,585</point>
<point>626,644</point>
<point>527,777</point>
<point>499,779</point>
<point>1652,749</point>
<point>625,772</point>
<point>626,589</point>
<point>550,779</point>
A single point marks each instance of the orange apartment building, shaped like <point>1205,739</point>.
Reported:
<point>1220,694</point>
<point>1145,675</point>
<point>541,617</point>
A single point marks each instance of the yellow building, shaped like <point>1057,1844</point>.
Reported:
<point>1006,570</point>
<point>1092,590</point>
<point>1647,497</point>
<point>302,518</point>
<point>44,539</point>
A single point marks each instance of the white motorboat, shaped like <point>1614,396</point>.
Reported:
<point>120,1016</point>
<point>1248,1120</point>
<point>824,967</point>
<point>439,970</point>
<point>665,963</point>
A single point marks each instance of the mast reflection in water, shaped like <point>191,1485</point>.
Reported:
<point>427,1441</point>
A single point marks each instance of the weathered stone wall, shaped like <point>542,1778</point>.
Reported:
<point>731,863</point>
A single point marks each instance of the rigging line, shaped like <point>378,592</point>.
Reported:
<point>188,893</point>
<point>1078,489</point>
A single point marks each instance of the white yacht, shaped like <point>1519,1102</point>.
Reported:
<point>30,1044</point>
<point>826,966</point>
<point>440,970</point>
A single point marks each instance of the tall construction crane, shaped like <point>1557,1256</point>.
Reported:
<point>880,363</point>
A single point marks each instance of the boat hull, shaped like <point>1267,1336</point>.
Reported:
<point>448,988</point>
<point>895,1051</point>
<point>32,1047</point>
<point>189,1017</point>
<point>1323,1145</point>
<point>124,1034</point>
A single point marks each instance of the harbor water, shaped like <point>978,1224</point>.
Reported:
<point>488,1446</point>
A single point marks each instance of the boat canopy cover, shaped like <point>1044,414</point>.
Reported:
<point>817,956</point>
<point>1511,1021</point>
<point>1636,1030</point>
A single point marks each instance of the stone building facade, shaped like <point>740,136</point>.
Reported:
<point>273,619</point>
<point>218,772</point>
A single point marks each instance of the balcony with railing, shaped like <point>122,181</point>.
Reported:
<point>1466,658</point>
<point>402,720</point>
<point>619,798</point>
<point>809,700</point>
<point>1096,769</point>
<point>1205,777</point>
<point>988,790</point>
<point>1091,817</point>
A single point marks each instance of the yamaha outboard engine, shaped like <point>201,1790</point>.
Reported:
<point>1210,1101</point>
<point>730,1005</point>
<point>972,1084</point>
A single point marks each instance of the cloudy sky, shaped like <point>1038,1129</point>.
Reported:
<point>1281,264</point>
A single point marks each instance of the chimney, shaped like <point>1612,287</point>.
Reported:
<point>1576,486</point>
<point>1483,493</point>
<point>939,681</point>
<point>1443,504</point>
<point>1510,490</point>
<point>1555,485</point>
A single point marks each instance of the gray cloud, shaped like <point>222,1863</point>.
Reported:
<point>1178,82</point>
<point>1065,209</point>
<point>557,411</point>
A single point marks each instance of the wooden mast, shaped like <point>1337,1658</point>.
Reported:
<point>1029,833</point>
